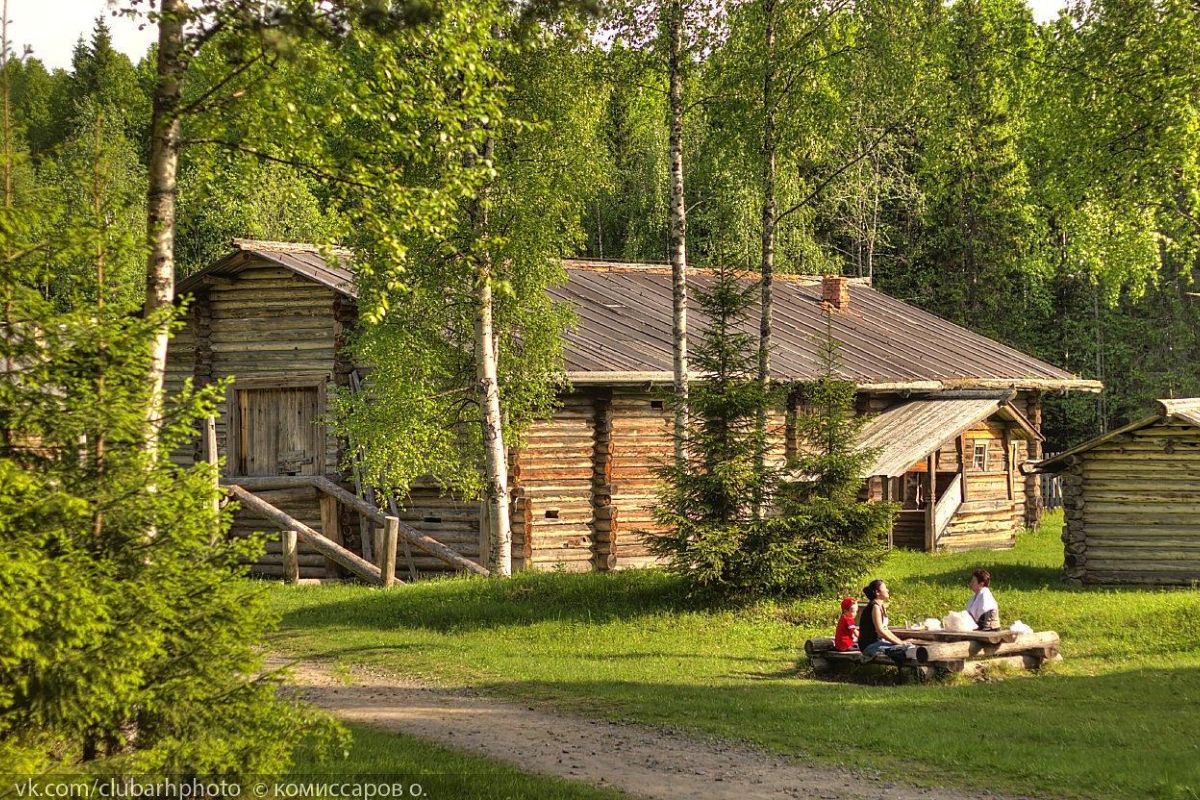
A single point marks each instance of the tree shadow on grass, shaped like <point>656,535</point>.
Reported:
<point>473,604</point>
<point>1004,576</point>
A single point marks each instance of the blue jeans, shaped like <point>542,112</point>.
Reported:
<point>893,651</point>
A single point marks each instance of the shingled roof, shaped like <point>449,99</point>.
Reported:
<point>623,330</point>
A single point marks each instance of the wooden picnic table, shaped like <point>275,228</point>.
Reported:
<point>940,652</point>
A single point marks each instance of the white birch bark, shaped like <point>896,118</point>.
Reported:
<point>678,226</point>
<point>160,197</point>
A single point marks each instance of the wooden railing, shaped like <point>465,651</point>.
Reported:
<point>947,505</point>
<point>384,548</point>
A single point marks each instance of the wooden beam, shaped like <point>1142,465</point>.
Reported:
<point>931,503</point>
<point>341,555</point>
<point>419,540</point>
<point>332,529</point>
<point>211,456</point>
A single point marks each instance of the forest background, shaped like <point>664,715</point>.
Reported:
<point>1037,183</point>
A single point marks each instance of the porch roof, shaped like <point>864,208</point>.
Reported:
<point>904,434</point>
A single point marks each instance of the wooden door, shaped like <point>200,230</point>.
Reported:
<point>279,431</point>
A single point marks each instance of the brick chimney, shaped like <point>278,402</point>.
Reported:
<point>835,290</point>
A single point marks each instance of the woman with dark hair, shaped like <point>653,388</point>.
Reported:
<point>982,606</point>
<point>874,637</point>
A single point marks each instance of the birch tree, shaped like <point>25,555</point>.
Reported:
<point>674,35</point>
<point>463,341</point>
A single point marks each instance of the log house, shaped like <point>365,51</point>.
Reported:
<point>948,403</point>
<point>1131,501</point>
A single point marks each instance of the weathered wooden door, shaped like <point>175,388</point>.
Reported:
<point>279,431</point>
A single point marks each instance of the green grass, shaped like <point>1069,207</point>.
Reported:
<point>1117,719</point>
<point>436,773</point>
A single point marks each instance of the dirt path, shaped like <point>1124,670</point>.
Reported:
<point>640,760</point>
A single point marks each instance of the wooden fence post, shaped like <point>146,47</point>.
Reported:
<point>331,527</point>
<point>291,557</point>
<point>210,455</point>
<point>387,566</point>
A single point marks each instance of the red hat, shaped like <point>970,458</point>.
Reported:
<point>848,603</point>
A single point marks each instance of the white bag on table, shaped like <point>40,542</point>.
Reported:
<point>958,621</point>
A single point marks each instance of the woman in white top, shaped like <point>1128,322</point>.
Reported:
<point>982,606</point>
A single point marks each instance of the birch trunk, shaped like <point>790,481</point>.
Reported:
<point>160,197</point>
<point>767,260</point>
<point>488,388</point>
<point>678,228</point>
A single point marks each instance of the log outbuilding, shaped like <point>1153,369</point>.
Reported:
<point>1132,501</point>
<point>956,413</point>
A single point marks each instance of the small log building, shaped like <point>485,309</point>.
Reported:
<point>1132,501</point>
<point>957,413</point>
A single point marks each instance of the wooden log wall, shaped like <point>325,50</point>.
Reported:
<point>264,323</point>
<point>451,520</point>
<point>1132,508</point>
<point>641,441</point>
<point>552,474</point>
<point>181,361</point>
<point>1032,452</point>
<point>303,504</point>
<point>269,322</point>
<point>994,509</point>
<point>639,429</point>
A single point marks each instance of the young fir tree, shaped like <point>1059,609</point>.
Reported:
<point>128,631</point>
<point>707,507</point>
<point>822,535</point>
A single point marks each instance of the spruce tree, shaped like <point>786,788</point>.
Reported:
<point>707,506</point>
<point>117,643</point>
<point>823,533</point>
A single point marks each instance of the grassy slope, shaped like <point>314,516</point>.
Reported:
<point>383,758</point>
<point>1117,719</point>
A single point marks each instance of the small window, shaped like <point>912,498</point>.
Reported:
<point>551,513</point>
<point>657,405</point>
<point>979,452</point>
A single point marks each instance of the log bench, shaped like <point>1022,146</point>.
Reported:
<point>941,653</point>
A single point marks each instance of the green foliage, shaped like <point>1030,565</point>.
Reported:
<point>707,504</point>
<point>418,413</point>
<point>824,535</point>
<point>225,196</point>
<point>129,631</point>
<point>816,533</point>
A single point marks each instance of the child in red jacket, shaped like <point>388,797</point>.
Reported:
<point>846,636</point>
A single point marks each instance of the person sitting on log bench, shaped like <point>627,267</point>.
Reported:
<point>874,637</point>
<point>982,606</point>
<point>845,636</point>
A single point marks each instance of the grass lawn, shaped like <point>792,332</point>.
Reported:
<point>1119,718</point>
<point>435,773</point>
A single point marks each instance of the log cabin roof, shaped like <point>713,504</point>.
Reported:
<point>906,433</point>
<point>1182,410</point>
<point>622,333</point>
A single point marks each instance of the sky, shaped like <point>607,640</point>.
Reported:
<point>51,27</point>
